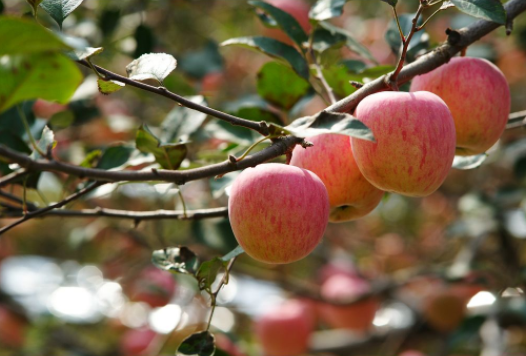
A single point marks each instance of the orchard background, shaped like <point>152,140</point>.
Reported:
<point>102,190</point>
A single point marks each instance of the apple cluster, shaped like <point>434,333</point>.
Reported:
<point>279,212</point>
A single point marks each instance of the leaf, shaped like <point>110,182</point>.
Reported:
<point>354,65</point>
<point>169,156</point>
<point>353,45</point>
<point>60,9</point>
<point>324,39</point>
<point>45,144</point>
<point>22,36</point>
<point>49,76</point>
<point>274,48</point>
<point>12,141</point>
<point>285,21</point>
<point>280,85</point>
<point>198,344</point>
<point>181,122</point>
<point>208,271</point>
<point>253,107</point>
<point>490,10</point>
<point>145,40</point>
<point>176,259</point>
<point>2,6</point>
<point>215,233</point>
<point>107,87</point>
<point>114,157</point>
<point>326,9</point>
<point>11,121</point>
<point>151,66</point>
<point>469,162</point>
<point>34,5</point>
<point>61,120</point>
<point>446,5</point>
<point>330,122</point>
<point>234,253</point>
<point>419,42</point>
<point>85,52</point>
<point>391,2</point>
<point>199,63</point>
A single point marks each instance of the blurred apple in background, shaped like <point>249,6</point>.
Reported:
<point>444,310</point>
<point>12,328</point>
<point>137,341</point>
<point>153,286</point>
<point>45,109</point>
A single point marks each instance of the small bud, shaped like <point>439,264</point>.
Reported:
<point>306,144</point>
<point>232,159</point>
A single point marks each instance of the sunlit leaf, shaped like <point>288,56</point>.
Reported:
<point>60,9</point>
<point>326,9</point>
<point>273,48</point>
<point>109,86</point>
<point>83,53</point>
<point>176,259</point>
<point>199,344</point>
<point>446,5</point>
<point>491,10</point>
<point>45,144</point>
<point>151,66</point>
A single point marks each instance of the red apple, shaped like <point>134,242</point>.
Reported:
<point>278,212</point>
<point>415,142</point>
<point>358,316</point>
<point>298,9</point>
<point>46,109</point>
<point>154,287</point>
<point>285,329</point>
<point>478,96</point>
<point>137,341</point>
<point>351,196</point>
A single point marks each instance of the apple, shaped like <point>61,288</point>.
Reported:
<point>351,196</point>
<point>358,316</point>
<point>137,341</point>
<point>12,329</point>
<point>478,96</point>
<point>415,142</point>
<point>298,9</point>
<point>285,329</point>
<point>444,310</point>
<point>154,287</point>
<point>278,212</point>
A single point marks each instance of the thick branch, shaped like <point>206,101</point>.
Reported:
<point>278,148</point>
<point>262,128</point>
<point>125,214</point>
<point>431,60</point>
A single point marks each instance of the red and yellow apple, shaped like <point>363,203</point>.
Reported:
<point>351,196</point>
<point>357,316</point>
<point>278,212</point>
<point>478,96</point>
<point>415,142</point>
<point>285,329</point>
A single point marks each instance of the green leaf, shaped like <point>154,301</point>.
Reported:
<point>391,2</point>
<point>354,65</point>
<point>107,87</point>
<point>234,253</point>
<point>60,9</point>
<point>34,5</point>
<point>326,9</point>
<point>351,43</point>
<point>151,66</point>
<point>419,42</point>
<point>330,122</point>
<point>338,78</point>
<point>22,36</point>
<point>50,76</point>
<point>199,63</point>
<point>208,271</point>
<point>469,162</point>
<point>324,39</point>
<point>2,6</point>
<point>285,21</point>
<point>215,233</point>
<point>280,85</point>
<point>90,159</point>
<point>490,10</point>
<point>253,107</point>
<point>274,48</point>
<point>181,122</point>
<point>169,156</point>
<point>176,259</point>
<point>45,144</point>
<point>61,120</point>
<point>114,157</point>
<point>109,21</point>
<point>9,139</point>
<point>11,121</point>
<point>84,52</point>
<point>145,40</point>
<point>198,344</point>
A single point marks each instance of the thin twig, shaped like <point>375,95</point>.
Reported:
<point>12,177</point>
<point>213,296</point>
<point>260,127</point>
<point>17,200</point>
<point>35,213</point>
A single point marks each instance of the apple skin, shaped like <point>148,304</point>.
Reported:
<point>285,329</point>
<point>358,316</point>
<point>137,341</point>
<point>476,92</point>
<point>278,212</point>
<point>415,142</point>
<point>351,196</point>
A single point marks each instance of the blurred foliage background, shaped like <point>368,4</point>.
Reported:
<point>77,286</point>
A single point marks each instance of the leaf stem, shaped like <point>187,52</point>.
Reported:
<point>253,146</point>
<point>182,201</point>
<point>402,36</point>
<point>28,131</point>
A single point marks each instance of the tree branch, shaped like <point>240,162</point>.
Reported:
<point>260,127</point>
<point>279,147</point>
<point>126,214</point>
<point>35,213</point>
<point>431,60</point>
<point>11,177</point>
